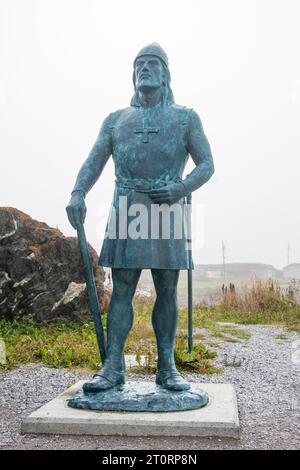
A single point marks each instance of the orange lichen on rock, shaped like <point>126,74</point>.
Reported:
<point>38,264</point>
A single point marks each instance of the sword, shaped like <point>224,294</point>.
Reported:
<point>91,291</point>
<point>190,273</point>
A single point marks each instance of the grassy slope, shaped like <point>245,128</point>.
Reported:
<point>74,344</point>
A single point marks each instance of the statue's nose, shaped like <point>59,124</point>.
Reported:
<point>145,67</point>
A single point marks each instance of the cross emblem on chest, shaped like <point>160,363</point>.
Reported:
<point>145,131</point>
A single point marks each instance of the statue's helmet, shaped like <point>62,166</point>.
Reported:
<point>156,50</point>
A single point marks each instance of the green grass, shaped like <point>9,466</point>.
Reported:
<point>199,360</point>
<point>206,317</point>
<point>281,337</point>
<point>55,344</point>
<point>231,335</point>
<point>73,345</point>
<point>260,302</point>
<point>239,333</point>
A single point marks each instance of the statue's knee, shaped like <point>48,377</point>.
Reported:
<point>124,282</point>
<point>122,294</point>
<point>166,280</point>
<point>166,292</point>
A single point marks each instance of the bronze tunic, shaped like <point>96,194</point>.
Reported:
<point>149,149</point>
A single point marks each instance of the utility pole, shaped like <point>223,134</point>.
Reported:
<point>223,257</point>
<point>288,253</point>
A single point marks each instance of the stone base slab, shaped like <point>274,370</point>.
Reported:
<point>219,418</point>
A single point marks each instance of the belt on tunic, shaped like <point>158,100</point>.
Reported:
<point>141,185</point>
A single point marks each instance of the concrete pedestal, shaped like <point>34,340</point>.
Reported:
<point>218,418</point>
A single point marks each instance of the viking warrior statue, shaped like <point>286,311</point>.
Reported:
<point>150,142</point>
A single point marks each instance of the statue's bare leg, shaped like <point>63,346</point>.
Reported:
<point>164,320</point>
<point>119,323</point>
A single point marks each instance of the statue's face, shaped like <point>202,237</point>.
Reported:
<point>149,72</point>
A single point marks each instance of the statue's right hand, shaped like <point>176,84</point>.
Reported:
<point>76,209</point>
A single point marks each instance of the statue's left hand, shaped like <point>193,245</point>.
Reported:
<point>168,194</point>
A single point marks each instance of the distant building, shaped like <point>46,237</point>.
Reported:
<point>292,271</point>
<point>263,271</point>
<point>238,271</point>
<point>213,274</point>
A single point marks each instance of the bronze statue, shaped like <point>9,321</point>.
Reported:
<point>150,142</point>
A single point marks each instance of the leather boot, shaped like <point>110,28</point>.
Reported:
<point>107,377</point>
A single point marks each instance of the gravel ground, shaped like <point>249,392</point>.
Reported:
<point>266,376</point>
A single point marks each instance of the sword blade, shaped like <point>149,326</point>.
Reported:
<point>92,292</point>
<point>190,274</point>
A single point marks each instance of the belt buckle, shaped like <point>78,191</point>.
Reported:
<point>143,186</point>
<point>160,184</point>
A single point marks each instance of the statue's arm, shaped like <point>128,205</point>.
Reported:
<point>89,173</point>
<point>199,149</point>
<point>96,160</point>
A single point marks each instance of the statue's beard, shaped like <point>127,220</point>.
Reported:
<point>148,88</point>
<point>166,97</point>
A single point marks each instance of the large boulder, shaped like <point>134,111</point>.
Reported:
<point>41,271</point>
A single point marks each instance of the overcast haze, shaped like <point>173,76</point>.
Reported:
<point>65,65</point>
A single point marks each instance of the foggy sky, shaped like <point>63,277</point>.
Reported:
<point>66,64</point>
